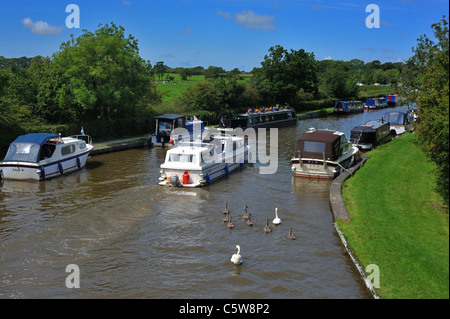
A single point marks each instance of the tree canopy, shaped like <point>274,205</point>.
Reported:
<point>432,62</point>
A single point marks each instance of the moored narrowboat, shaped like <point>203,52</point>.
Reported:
<point>263,118</point>
<point>375,103</point>
<point>346,107</point>
<point>370,134</point>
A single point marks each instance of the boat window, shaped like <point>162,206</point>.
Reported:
<point>82,145</point>
<point>344,144</point>
<point>165,126</point>
<point>183,158</point>
<point>314,147</point>
<point>65,150</point>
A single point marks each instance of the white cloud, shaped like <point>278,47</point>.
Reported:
<point>125,2</point>
<point>251,20</point>
<point>41,27</point>
<point>327,58</point>
<point>225,15</point>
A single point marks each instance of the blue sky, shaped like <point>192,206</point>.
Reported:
<point>226,33</point>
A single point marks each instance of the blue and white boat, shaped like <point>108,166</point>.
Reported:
<point>346,107</point>
<point>400,122</point>
<point>198,163</point>
<point>173,128</point>
<point>41,156</point>
<point>376,103</point>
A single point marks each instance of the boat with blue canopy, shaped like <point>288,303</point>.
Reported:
<point>41,156</point>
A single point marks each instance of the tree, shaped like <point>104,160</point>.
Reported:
<point>214,72</point>
<point>432,61</point>
<point>160,69</point>
<point>98,75</point>
<point>283,73</point>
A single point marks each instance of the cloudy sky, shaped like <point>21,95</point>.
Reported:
<point>226,33</point>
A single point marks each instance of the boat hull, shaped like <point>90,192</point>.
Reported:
<point>199,178</point>
<point>42,170</point>
<point>318,169</point>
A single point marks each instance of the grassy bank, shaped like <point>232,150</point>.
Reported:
<point>398,222</point>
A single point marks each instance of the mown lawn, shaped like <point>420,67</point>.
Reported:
<point>398,222</point>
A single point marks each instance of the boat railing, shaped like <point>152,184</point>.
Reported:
<point>86,138</point>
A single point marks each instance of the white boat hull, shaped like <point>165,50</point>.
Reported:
<point>318,169</point>
<point>199,178</point>
<point>43,170</point>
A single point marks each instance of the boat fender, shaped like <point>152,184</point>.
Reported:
<point>186,178</point>
<point>207,178</point>
<point>61,170</point>
<point>78,162</point>
<point>43,172</point>
<point>241,164</point>
<point>226,169</point>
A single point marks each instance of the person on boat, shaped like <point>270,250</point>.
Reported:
<point>198,139</point>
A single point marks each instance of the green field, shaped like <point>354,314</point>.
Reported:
<point>172,89</point>
<point>398,222</point>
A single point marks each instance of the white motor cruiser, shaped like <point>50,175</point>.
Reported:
<point>41,156</point>
<point>198,163</point>
<point>323,154</point>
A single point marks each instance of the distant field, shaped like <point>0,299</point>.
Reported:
<point>172,89</point>
<point>376,91</point>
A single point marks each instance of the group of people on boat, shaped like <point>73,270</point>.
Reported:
<point>266,109</point>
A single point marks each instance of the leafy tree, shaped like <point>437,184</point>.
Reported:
<point>214,72</point>
<point>283,73</point>
<point>98,75</point>
<point>160,69</point>
<point>432,60</point>
<point>203,95</point>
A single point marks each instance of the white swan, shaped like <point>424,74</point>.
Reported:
<point>236,258</point>
<point>276,220</point>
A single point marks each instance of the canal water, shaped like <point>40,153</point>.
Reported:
<point>131,238</point>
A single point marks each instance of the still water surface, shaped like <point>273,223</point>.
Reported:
<point>134,239</point>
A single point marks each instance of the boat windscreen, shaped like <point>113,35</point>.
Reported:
<point>27,148</point>
<point>314,147</point>
<point>395,118</point>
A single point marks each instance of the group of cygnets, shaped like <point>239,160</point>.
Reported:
<point>237,258</point>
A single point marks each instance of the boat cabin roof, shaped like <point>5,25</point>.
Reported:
<point>317,143</point>
<point>27,148</point>
<point>395,117</point>
<point>370,126</point>
<point>170,116</point>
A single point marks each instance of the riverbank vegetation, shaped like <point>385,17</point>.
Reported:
<point>398,221</point>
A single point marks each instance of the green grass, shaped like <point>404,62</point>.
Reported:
<point>367,91</point>
<point>171,91</point>
<point>398,222</point>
